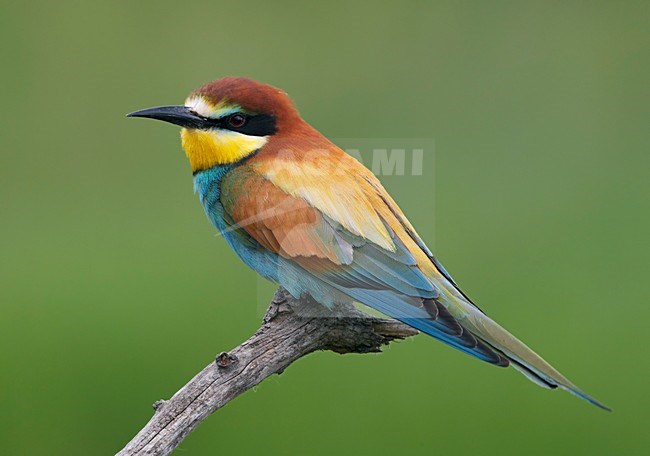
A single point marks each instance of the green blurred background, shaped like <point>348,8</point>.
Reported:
<point>114,289</point>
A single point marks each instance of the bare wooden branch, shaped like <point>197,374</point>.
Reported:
<point>289,331</point>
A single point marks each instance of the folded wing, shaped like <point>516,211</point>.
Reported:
<point>387,278</point>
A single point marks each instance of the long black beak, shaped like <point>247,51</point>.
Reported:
<point>178,115</point>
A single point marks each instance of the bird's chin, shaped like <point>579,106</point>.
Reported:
<point>208,148</point>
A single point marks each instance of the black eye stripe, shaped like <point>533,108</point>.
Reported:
<point>254,125</point>
<point>259,125</point>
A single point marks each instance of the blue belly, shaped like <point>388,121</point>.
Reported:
<point>207,184</point>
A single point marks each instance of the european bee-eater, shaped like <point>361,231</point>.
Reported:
<point>309,217</point>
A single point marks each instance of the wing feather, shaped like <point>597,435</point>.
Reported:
<point>318,209</point>
<point>389,279</point>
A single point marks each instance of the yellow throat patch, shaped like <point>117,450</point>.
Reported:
<point>208,148</point>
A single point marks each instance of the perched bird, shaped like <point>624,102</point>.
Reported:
<point>307,216</point>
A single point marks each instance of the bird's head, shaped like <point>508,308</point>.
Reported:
<point>227,120</point>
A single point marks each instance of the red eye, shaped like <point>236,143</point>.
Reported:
<point>237,120</point>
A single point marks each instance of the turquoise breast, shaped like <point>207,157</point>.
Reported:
<point>295,279</point>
